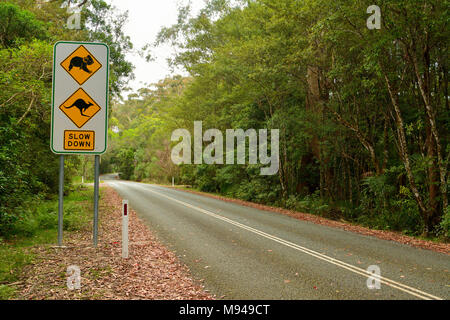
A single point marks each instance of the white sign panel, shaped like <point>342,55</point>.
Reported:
<point>80,98</point>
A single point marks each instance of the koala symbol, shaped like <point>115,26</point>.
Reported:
<point>81,63</point>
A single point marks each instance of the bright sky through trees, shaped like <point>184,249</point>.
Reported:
<point>145,20</point>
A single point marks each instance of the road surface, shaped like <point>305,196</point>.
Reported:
<point>245,253</point>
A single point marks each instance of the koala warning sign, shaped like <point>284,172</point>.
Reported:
<point>80,98</point>
<point>81,65</point>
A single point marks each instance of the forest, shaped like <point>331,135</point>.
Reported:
<point>28,169</point>
<point>363,114</point>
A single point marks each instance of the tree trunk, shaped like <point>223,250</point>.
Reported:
<point>433,210</point>
<point>424,90</point>
<point>403,148</point>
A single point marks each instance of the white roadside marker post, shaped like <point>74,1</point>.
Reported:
<point>124,229</point>
<point>173,182</point>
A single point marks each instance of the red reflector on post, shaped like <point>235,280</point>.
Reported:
<point>125,229</point>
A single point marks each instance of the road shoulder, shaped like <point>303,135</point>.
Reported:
<point>152,271</point>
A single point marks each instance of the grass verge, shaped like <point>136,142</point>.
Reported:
<point>38,226</point>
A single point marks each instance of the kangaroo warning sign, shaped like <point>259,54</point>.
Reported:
<point>80,108</point>
<point>80,98</point>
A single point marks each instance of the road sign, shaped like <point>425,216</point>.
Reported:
<point>81,65</point>
<point>79,140</point>
<point>80,98</point>
<point>80,108</point>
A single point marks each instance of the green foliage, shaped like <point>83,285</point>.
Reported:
<point>18,25</point>
<point>203,181</point>
<point>125,163</point>
<point>313,203</point>
<point>11,263</point>
<point>30,220</point>
<point>6,292</point>
<point>445,224</point>
<point>387,205</point>
<point>28,169</point>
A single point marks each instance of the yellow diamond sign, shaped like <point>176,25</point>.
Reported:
<point>80,108</point>
<point>81,65</point>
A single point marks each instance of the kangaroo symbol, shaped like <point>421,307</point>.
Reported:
<point>81,105</point>
<point>81,63</point>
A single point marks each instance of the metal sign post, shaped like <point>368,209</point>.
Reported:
<point>80,109</point>
<point>60,200</point>
<point>96,195</point>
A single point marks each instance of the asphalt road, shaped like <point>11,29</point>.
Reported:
<point>245,253</point>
